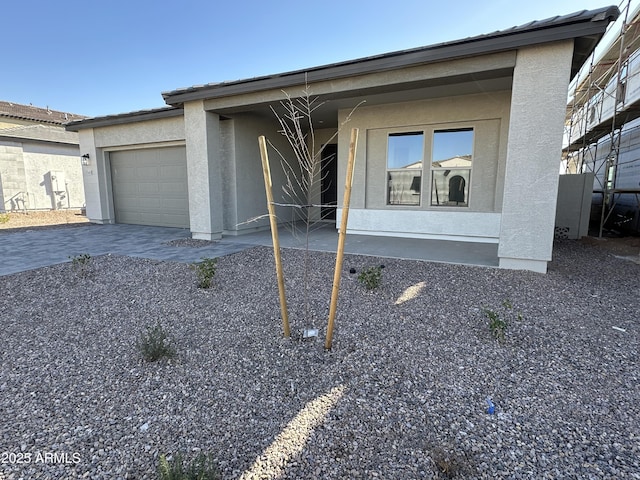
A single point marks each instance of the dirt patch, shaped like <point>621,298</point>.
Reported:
<point>627,247</point>
<point>41,218</point>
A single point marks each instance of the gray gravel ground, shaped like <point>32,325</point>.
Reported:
<point>401,395</point>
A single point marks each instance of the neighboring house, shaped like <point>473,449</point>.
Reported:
<point>602,136</point>
<point>494,102</point>
<point>39,160</point>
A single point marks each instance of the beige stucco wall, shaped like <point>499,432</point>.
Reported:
<point>250,199</point>
<point>487,113</point>
<point>141,133</point>
<point>389,78</point>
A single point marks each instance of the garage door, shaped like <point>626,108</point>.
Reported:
<point>150,186</point>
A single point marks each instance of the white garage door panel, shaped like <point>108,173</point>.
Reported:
<point>127,190</point>
<point>150,205</point>
<point>123,174</point>
<point>174,206</point>
<point>148,174</point>
<point>174,218</point>
<point>150,186</point>
<point>173,190</point>
<point>126,217</point>
<point>168,172</point>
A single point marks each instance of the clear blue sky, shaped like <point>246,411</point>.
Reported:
<point>100,57</point>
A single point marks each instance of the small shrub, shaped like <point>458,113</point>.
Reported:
<point>499,322</point>
<point>4,217</point>
<point>371,277</point>
<point>153,344</point>
<point>203,467</point>
<point>205,270</point>
<point>81,263</point>
<point>497,325</point>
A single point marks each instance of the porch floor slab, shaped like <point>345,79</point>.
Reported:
<point>325,238</point>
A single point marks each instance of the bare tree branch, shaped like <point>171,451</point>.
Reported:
<point>303,171</point>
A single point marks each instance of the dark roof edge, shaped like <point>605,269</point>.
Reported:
<point>11,138</point>
<point>32,119</point>
<point>580,24</point>
<point>122,118</point>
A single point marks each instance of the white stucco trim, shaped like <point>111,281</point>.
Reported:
<point>446,225</point>
<point>538,266</point>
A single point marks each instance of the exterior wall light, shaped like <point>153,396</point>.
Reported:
<point>85,159</point>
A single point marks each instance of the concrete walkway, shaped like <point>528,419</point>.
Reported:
<point>29,249</point>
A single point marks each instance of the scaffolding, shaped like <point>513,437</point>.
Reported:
<point>601,131</point>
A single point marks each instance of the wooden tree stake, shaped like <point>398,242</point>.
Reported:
<point>342,233</point>
<point>274,233</point>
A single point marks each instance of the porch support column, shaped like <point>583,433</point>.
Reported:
<point>538,102</point>
<point>96,178</point>
<point>202,135</point>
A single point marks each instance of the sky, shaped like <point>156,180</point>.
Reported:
<point>103,57</point>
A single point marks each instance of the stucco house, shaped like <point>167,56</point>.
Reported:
<point>458,141</point>
<point>39,160</point>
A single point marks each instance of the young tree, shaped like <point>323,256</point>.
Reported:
<point>303,170</point>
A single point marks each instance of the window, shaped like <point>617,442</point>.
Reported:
<point>405,153</point>
<point>450,171</point>
<point>451,159</point>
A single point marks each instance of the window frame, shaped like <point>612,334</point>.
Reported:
<point>405,132</point>
<point>432,169</point>
<point>427,176</point>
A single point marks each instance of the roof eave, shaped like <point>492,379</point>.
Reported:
<point>124,118</point>
<point>44,141</point>
<point>32,119</point>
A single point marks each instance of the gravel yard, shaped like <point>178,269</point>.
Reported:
<point>402,394</point>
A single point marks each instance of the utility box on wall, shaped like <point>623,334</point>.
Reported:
<point>574,205</point>
<point>58,181</point>
<point>57,189</point>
